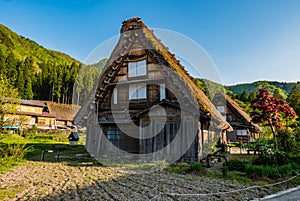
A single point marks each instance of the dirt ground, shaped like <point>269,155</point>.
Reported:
<point>63,181</point>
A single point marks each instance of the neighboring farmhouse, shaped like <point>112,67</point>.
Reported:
<point>43,114</point>
<point>145,99</point>
<point>243,129</point>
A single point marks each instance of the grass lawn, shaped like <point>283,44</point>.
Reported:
<point>54,146</point>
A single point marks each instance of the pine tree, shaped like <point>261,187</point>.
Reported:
<point>294,98</point>
<point>277,94</point>
<point>20,82</point>
<point>28,94</point>
<point>244,96</point>
<point>2,62</point>
<point>11,68</point>
<point>8,99</point>
<point>252,95</point>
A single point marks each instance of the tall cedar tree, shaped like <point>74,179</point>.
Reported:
<point>271,111</point>
<point>294,98</point>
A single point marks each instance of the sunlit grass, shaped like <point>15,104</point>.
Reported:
<point>17,149</point>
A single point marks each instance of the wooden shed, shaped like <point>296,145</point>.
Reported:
<point>147,105</point>
<point>244,130</point>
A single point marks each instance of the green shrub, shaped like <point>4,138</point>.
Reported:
<point>180,168</point>
<point>225,171</point>
<point>273,172</point>
<point>287,141</point>
<point>17,151</point>
<point>29,133</point>
<point>238,165</point>
<point>269,155</point>
<point>196,166</point>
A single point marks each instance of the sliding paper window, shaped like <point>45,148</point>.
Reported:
<point>137,91</point>
<point>136,69</point>
<point>241,132</point>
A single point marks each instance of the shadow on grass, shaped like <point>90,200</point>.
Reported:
<point>61,153</point>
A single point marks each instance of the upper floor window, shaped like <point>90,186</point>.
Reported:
<point>137,91</point>
<point>241,132</point>
<point>136,69</point>
<point>162,91</point>
<point>115,96</point>
<point>221,108</point>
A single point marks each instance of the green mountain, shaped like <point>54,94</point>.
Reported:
<point>43,74</point>
<point>22,48</point>
<point>210,88</point>
<point>36,72</point>
<point>280,88</point>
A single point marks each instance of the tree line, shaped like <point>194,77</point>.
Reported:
<point>46,80</point>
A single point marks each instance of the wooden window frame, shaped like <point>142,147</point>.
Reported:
<point>137,75</point>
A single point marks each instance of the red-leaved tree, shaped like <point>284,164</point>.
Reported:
<point>271,111</point>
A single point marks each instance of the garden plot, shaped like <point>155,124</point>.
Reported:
<point>62,181</point>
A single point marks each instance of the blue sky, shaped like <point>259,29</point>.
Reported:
<point>248,40</point>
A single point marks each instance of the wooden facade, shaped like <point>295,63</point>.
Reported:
<point>243,129</point>
<point>146,104</point>
<point>42,114</point>
<point>31,113</point>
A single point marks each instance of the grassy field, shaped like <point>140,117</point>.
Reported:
<point>15,149</point>
<point>76,176</point>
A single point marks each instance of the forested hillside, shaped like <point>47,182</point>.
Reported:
<point>283,88</point>
<point>43,74</point>
<point>243,94</point>
<point>40,73</point>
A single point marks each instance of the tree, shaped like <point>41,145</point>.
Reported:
<point>294,98</point>
<point>271,111</point>
<point>11,63</point>
<point>28,94</point>
<point>244,96</point>
<point>9,99</point>
<point>252,95</point>
<point>278,94</point>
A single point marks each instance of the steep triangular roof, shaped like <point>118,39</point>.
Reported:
<point>238,110</point>
<point>134,29</point>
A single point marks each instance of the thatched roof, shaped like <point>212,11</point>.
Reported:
<point>238,110</point>
<point>133,29</point>
<point>33,103</point>
<point>63,111</point>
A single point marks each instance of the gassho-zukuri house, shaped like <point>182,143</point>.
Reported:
<point>146,106</point>
<point>244,130</point>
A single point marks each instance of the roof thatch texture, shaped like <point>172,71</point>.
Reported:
<point>32,103</point>
<point>63,111</point>
<point>204,103</point>
<point>238,110</point>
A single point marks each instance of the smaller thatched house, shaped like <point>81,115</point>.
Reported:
<point>42,114</point>
<point>64,113</point>
<point>244,129</point>
<point>31,113</point>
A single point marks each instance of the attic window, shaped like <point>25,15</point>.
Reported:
<point>136,69</point>
<point>221,108</point>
